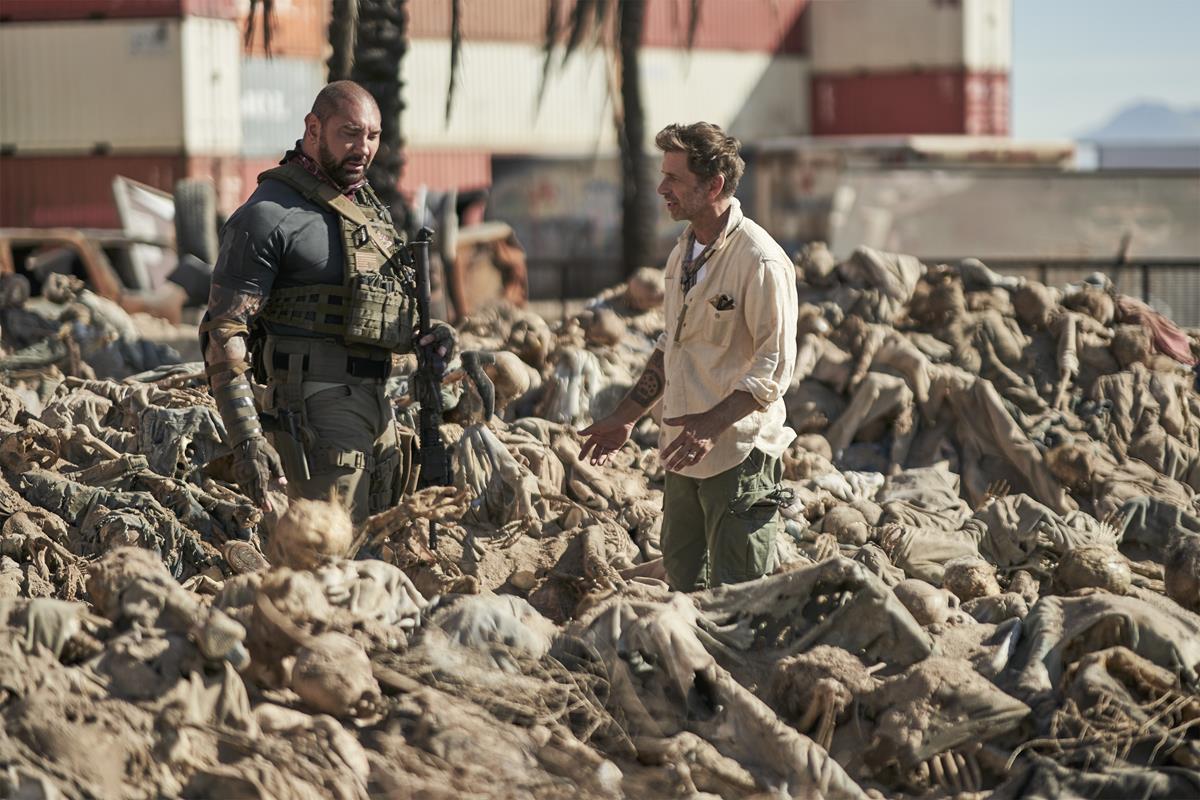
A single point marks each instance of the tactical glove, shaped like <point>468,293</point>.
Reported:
<point>438,344</point>
<point>255,465</point>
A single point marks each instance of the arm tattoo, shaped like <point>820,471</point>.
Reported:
<point>651,385</point>
<point>229,315</point>
<point>232,304</point>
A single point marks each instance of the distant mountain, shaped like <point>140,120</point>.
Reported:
<point>1149,121</point>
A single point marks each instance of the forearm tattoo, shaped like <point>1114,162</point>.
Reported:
<point>653,382</point>
<point>229,316</point>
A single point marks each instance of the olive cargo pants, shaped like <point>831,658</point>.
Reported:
<point>354,450</point>
<point>721,529</point>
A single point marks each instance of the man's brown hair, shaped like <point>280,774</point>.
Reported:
<point>709,151</point>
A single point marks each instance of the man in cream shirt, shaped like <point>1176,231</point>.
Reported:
<point>720,368</point>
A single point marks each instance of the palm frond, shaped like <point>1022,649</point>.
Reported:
<point>268,24</point>
<point>607,20</point>
<point>580,17</point>
<point>693,22</point>
<point>601,13</point>
<point>553,30</point>
<point>456,11</point>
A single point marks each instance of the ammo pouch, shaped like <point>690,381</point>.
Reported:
<point>380,312</point>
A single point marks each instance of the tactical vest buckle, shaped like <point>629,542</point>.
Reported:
<point>360,236</point>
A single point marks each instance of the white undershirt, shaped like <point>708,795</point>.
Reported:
<point>697,249</point>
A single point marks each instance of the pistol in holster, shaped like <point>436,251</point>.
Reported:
<point>289,441</point>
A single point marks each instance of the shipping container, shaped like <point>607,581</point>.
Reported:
<point>496,103</point>
<point>165,85</point>
<point>300,28</point>
<point>276,95</point>
<point>76,191</point>
<point>68,10</point>
<point>442,170</point>
<point>928,101</point>
<point>770,26</point>
<point>885,35</point>
<point>987,103</point>
<point>760,25</point>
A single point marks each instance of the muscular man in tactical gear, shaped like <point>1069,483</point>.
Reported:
<point>309,296</point>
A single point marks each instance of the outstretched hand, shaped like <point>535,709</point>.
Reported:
<point>604,437</point>
<point>696,440</point>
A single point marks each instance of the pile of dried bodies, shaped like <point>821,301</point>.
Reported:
<point>988,585</point>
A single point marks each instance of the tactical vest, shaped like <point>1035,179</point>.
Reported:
<point>372,305</point>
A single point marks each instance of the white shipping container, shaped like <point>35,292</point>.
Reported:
<point>759,95</point>
<point>276,94</point>
<point>882,35</point>
<point>212,56</point>
<point>163,85</point>
<point>987,35</point>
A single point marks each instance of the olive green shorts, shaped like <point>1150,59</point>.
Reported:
<point>722,529</point>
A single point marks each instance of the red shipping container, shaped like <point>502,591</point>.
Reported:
<point>248,172</point>
<point>300,28</point>
<point>441,170</point>
<point>771,26</point>
<point>76,191</point>
<point>928,101</point>
<point>436,170</point>
<point>756,25</point>
<point>987,103</point>
<point>59,10</point>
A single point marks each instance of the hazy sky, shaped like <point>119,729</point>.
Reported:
<point>1076,62</point>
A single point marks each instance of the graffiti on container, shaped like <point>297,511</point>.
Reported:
<point>151,39</point>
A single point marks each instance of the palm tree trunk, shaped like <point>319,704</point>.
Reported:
<point>637,194</point>
<point>343,30</point>
<point>378,53</point>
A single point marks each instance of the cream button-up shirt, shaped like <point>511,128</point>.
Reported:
<point>735,330</point>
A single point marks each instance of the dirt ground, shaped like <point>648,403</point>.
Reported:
<point>987,586</point>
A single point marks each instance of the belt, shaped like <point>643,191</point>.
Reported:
<point>356,367</point>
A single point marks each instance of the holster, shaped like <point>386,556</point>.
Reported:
<point>284,418</point>
<point>395,475</point>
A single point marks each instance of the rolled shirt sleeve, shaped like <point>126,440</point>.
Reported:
<point>771,309</point>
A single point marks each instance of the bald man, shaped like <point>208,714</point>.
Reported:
<point>309,299</point>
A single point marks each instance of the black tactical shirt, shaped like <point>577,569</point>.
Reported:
<point>279,239</point>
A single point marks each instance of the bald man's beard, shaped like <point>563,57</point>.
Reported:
<point>338,171</point>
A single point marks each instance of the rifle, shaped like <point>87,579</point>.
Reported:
<point>433,456</point>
